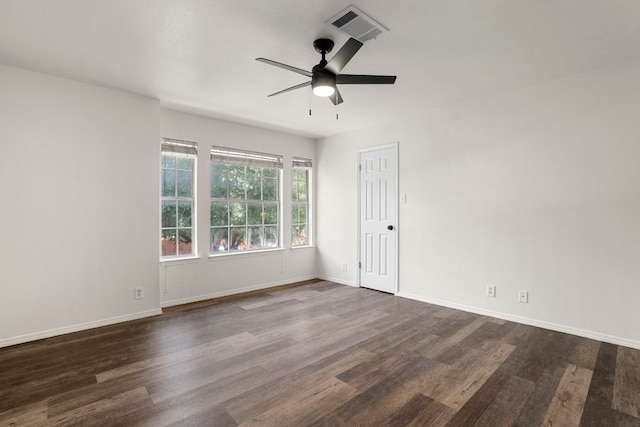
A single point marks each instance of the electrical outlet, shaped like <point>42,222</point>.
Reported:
<point>344,267</point>
<point>491,291</point>
<point>138,293</point>
<point>524,296</point>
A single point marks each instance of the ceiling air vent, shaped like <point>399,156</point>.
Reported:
<point>356,24</point>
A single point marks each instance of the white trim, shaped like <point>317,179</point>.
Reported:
<point>301,247</point>
<point>310,204</point>
<point>338,281</point>
<point>193,199</point>
<point>526,321</point>
<point>358,213</point>
<point>377,147</point>
<point>245,253</point>
<point>76,328</point>
<point>395,146</point>
<point>6,342</point>
<point>180,260</point>
<point>219,294</point>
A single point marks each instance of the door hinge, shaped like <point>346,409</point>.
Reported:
<point>359,264</point>
<point>360,168</point>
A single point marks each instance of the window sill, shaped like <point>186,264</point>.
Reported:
<point>180,260</point>
<point>302,248</point>
<point>234,254</point>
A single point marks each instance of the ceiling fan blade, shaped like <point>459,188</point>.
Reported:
<point>336,98</point>
<point>285,66</point>
<point>343,56</point>
<point>363,79</point>
<point>301,85</point>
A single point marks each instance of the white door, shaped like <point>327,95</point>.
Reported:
<point>378,234</point>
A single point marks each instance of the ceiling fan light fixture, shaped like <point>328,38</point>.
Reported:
<point>323,84</point>
<point>323,90</point>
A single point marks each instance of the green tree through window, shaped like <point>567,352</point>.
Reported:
<point>177,198</point>
<point>245,200</point>
<point>300,202</point>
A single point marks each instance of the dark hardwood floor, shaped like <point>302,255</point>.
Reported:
<point>319,354</point>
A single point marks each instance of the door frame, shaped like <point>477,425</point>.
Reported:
<point>393,145</point>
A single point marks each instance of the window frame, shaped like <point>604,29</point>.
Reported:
<point>233,158</point>
<point>302,164</point>
<point>179,150</point>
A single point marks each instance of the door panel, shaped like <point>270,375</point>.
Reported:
<point>378,200</point>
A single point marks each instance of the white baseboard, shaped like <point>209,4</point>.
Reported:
<point>6,342</point>
<point>527,321</point>
<point>337,280</point>
<point>225,293</point>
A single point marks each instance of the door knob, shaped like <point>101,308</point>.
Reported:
<point>389,227</point>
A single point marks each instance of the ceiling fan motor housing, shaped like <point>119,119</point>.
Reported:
<point>321,76</point>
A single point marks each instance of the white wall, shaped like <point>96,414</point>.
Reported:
<point>536,189</point>
<point>208,277</point>
<point>79,216</point>
<point>80,213</point>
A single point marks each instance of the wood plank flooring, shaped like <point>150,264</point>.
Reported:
<point>318,354</point>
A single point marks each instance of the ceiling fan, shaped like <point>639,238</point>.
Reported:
<point>326,75</point>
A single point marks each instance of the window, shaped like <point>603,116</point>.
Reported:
<point>300,207</point>
<point>245,200</point>
<point>177,237</point>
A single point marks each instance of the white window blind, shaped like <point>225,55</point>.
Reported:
<point>245,158</point>
<point>299,162</point>
<point>179,147</point>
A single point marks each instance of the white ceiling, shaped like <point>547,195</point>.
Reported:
<point>199,55</point>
